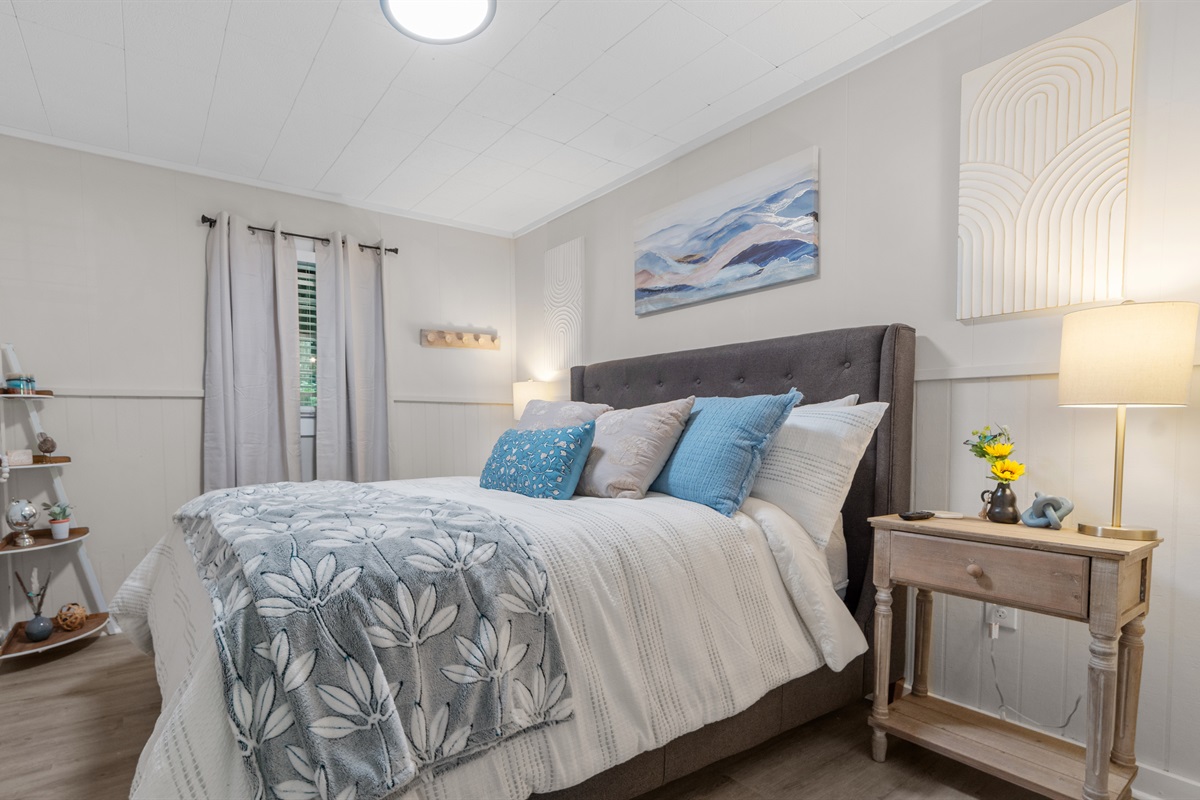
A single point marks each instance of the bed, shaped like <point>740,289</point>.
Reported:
<point>664,682</point>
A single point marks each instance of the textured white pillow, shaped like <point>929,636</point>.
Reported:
<point>848,400</point>
<point>540,415</point>
<point>808,470</point>
<point>631,447</point>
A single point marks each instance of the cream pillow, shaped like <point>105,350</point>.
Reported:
<point>848,400</point>
<point>808,470</point>
<point>631,447</point>
<point>540,415</point>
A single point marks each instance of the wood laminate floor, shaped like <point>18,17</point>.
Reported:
<point>73,721</point>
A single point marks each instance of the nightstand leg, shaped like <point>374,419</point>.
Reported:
<point>1102,702</point>
<point>924,643</point>
<point>883,651</point>
<point>1129,679</point>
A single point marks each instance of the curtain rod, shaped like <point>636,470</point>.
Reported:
<point>212,221</point>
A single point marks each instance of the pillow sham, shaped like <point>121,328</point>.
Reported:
<point>631,447</point>
<point>722,448</point>
<point>809,468</point>
<point>848,400</point>
<point>542,414</point>
<point>542,463</point>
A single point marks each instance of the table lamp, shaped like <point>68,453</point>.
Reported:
<point>524,391</point>
<point>1133,354</point>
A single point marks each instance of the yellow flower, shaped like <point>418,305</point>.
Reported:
<point>998,449</point>
<point>1007,471</point>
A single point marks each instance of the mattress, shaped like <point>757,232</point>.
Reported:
<point>671,616</point>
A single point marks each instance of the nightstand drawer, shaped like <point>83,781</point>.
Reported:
<point>1056,583</point>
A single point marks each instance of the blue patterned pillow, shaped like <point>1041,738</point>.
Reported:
<point>545,463</point>
<point>722,448</point>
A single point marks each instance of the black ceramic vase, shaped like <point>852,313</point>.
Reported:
<point>1001,504</point>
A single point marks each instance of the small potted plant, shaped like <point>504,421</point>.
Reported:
<point>60,519</point>
<point>999,504</point>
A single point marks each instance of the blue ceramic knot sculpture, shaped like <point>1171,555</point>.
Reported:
<point>1047,511</point>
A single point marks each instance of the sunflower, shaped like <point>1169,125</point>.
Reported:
<point>1007,470</point>
<point>998,449</point>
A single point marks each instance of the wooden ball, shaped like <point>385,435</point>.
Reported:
<point>71,617</point>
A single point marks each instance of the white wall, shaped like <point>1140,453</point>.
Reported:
<point>102,281</point>
<point>888,139</point>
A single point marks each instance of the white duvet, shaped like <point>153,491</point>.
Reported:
<point>671,617</point>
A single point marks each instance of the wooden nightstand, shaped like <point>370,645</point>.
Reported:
<point>1104,582</point>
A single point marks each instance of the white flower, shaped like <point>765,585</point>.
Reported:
<point>414,623</point>
<point>304,590</point>
<point>443,554</point>
<point>531,593</point>
<point>541,702</point>
<point>428,737</point>
<point>489,657</point>
<point>369,700</point>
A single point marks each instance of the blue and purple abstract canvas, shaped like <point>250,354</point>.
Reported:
<point>756,231</point>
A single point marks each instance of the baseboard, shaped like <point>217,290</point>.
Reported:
<point>1156,784</point>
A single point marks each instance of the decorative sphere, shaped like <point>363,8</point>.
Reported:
<point>71,617</point>
<point>22,515</point>
<point>46,443</point>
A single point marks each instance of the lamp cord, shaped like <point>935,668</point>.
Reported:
<point>1004,707</point>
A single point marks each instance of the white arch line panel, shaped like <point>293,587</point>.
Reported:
<point>1044,160</point>
<point>563,304</point>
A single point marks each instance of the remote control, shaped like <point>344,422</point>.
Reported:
<point>913,516</point>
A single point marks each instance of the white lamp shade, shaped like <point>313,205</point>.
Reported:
<point>1134,354</point>
<point>524,391</point>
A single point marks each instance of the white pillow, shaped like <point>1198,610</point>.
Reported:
<point>542,415</point>
<point>848,400</point>
<point>810,465</point>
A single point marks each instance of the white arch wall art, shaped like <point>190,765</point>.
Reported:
<point>1044,159</point>
<point>563,303</point>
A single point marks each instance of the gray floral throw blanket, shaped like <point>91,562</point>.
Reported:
<point>367,637</point>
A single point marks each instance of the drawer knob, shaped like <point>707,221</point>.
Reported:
<point>975,571</point>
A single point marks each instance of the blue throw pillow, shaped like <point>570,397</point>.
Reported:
<point>722,448</point>
<point>545,463</point>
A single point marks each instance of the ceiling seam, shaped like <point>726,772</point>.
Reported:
<point>216,76</point>
<point>32,71</point>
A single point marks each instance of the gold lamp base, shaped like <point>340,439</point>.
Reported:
<point>1118,532</point>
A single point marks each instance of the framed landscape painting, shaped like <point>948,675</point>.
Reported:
<point>756,231</point>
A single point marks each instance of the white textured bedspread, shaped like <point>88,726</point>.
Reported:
<point>671,616</point>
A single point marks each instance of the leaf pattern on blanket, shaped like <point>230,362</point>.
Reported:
<point>366,636</point>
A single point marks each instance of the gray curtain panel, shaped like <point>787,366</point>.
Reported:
<point>251,363</point>
<point>352,403</point>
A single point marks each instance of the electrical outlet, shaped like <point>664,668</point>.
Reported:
<point>1003,616</point>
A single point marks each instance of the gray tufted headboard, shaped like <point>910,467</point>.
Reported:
<point>876,362</point>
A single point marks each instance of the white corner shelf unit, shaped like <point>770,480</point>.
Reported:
<point>14,644</point>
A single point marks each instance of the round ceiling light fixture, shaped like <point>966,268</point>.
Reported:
<point>439,21</point>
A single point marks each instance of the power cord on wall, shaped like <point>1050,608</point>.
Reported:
<point>1005,709</point>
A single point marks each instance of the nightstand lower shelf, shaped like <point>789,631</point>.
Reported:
<point>16,645</point>
<point>1026,757</point>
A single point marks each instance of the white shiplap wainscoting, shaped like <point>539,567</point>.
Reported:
<point>1042,666</point>
<point>432,437</point>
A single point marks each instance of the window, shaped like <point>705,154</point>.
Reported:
<point>307,277</point>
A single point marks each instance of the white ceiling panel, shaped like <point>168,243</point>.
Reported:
<point>610,139</point>
<point>158,30</point>
<point>857,39</point>
<point>503,98</point>
<point>508,29</point>
<point>402,110</point>
<point>490,171</point>
<point>522,148</point>
<point>599,23</point>
<point>20,103</point>
<point>437,72</point>
<point>570,164</point>
<point>409,184</point>
<point>453,197</point>
<point>560,119</point>
<point>469,131</point>
<point>548,59</point>
<point>168,106</point>
<point>242,129</point>
<point>284,23</point>
<point>372,155</point>
<point>897,16</point>
<point>790,28</point>
<point>309,143</point>
<point>556,100</point>
<point>98,21</point>
<point>716,73</point>
<point>726,16</point>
